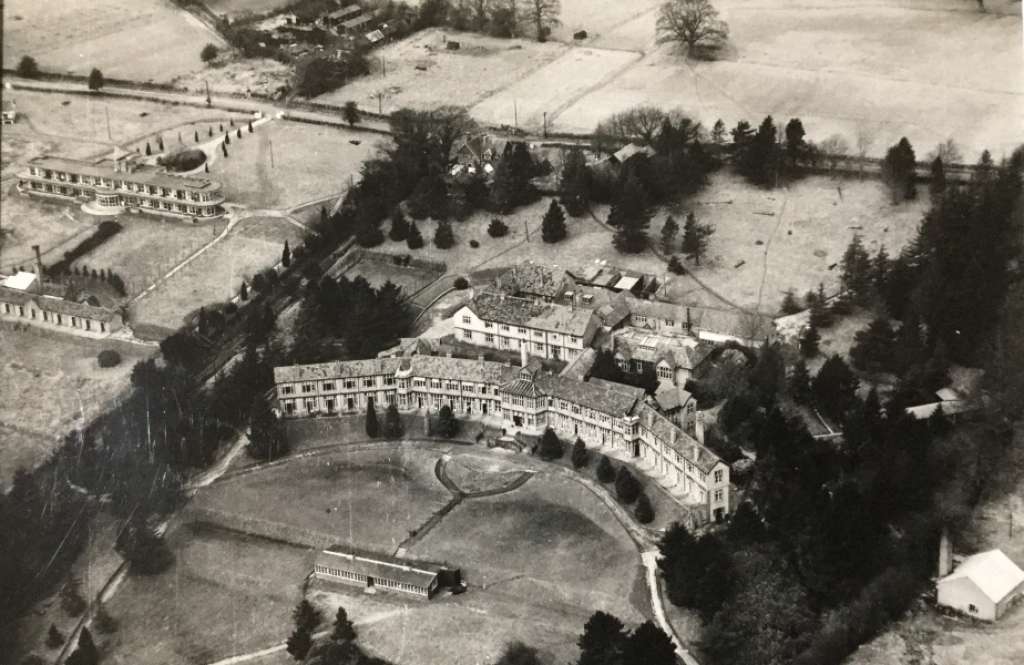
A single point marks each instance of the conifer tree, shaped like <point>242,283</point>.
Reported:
<point>343,631</point>
<point>899,170</point>
<point>856,270</point>
<point>789,303</point>
<point>286,255</point>
<point>444,238</point>
<point>415,239</point>
<point>718,132</point>
<point>605,470</point>
<point>372,425</point>
<point>669,232</point>
<point>695,238</point>
<point>809,339</point>
<point>54,638</point>
<point>243,292</point>
<point>160,143</point>
<point>553,226</point>
<point>800,382</point>
<point>643,511</point>
<point>579,454</point>
<point>149,150</point>
<point>267,439</point>
<point>393,427</point>
<point>399,226</point>
<point>575,185</point>
<point>196,135</point>
<point>550,445</point>
<point>630,216</point>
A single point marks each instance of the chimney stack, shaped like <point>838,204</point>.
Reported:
<point>945,554</point>
<point>39,269</point>
<point>524,354</point>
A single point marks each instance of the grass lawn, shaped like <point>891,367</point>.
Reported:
<point>937,69</point>
<point>410,278</point>
<point>218,272</point>
<point>791,237</point>
<point>551,542</point>
<point>138,39</point>
<point>47,382</point>
<point>25,221</point>
<point>421,73</point>
<point>368,499</point>
<point>225,595</point>
<point>285,163</point>
<point>148,247</point>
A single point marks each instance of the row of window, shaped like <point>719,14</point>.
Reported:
<point>372,581</point>
<point>54,318</point>
<point>503,327</point>
<point>126,185</point>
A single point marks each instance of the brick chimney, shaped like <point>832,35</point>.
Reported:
<point>39,269</point>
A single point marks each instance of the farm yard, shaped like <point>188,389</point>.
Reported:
<point>422,73</point>
<point>141,40</point>
<point>34,364</point>
<point>830,66</point>
<point>217,273</point>
<point>284,164</point>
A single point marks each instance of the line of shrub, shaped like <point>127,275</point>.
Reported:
<point>104,232</point>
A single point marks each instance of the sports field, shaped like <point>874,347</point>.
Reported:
<point>142,40</point>
<point>284,164</point>
<point>217,273</point>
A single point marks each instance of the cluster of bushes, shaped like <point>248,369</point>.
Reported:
<point>104,232</point>
<point>627,488</point>
<point>183,160</point>
<point>108,358</point>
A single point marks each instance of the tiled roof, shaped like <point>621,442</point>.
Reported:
<point>614,399</point>
<point>522,388</point>
<point>379,566</point>
<point>56,305</point>
<point>463,369</point>
<point>671,397</point>
<point>336,369</point>
<point>522,312</point>
<point>685,445</point>
<point>677,350</point>
<point>534,279</point>
<point>731,322</point>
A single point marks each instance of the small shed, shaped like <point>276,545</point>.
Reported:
<point>984,586</point>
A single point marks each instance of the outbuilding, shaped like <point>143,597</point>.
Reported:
<point>984,586</point>
<point>378,572</point>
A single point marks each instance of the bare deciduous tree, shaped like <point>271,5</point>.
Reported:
<point>544,15</point>
<point>834,148</point>
<point>691,24</point>
<point>948,151</point>
<point>865,138</point>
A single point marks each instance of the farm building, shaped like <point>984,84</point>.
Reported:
<point>378,572</point>
<point>984,586</point>
<point>112,186</point>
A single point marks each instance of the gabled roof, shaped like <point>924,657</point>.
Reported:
<point>57,305</point>
<point>992,572</point>
<point>522,312</point>
<point>336,369</point>
<point>614,399</point>
<point>461,369</point>
<point>688,447</point>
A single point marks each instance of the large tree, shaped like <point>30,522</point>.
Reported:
<point>544,16</point>
<point>575,183</point>
<point>553,226</point>
<point>267,439</point>
<point>602,640</point>
<point>669,231</point>
<point>691,24</point>
<point>95,79</point>
<point>899,171</point>
<point>372,424</point>
<point>630,216</point>
<point>695,238</point>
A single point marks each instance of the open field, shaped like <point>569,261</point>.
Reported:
<point>483,66</point>
<point>553,87</point>
<point>139,40</point>
<point>369,499</point>
<point>226,594</point>
<point>284,164</point>
<point>804,229</point>
<point>238,8</point>
<point>217,273</point>
<point>261,76</point>
<point>599,18</point>
<point>531,543</point>
<point>147,247</point>
<point>48,381</point>
<point>26,221</point>
<point>939,69</point>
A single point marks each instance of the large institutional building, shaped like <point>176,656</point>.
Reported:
<point>112,186</point>
<point>523,399</point>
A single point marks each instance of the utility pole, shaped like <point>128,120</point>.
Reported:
<point>380,103</point>
<point>270,143</point>
<point>526,228</point>
<point>106,109</point>
<point>545,131</point>
<point>209,102</point>
<point>383,67</point>
<point>515,114</point>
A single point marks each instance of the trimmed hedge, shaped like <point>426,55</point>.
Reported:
<point>104,232</point>
<point>184,160</point>
<point>108,358</point>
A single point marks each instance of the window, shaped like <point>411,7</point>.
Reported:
<point>504,327</point>
<point>308,387</point>
<point>488,324</point>
<point>350,383</point>
<point>537,333</point>
<point>489,338</point>
<point>368,383</point>
<point>718,495</point>
<point>467,320</point>
<point>670,322</point>
<point>539,346</point>
<point>522,331</point>
<point>718,476</point>
<point>972,608</point>
<point>329,385</point>
<point>467,334</point>
<point>639,319</point>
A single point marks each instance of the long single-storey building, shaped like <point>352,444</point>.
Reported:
<point>46,307</point>
<point>112,186</point>
<point>521,399</point>
<point>378,572</point>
